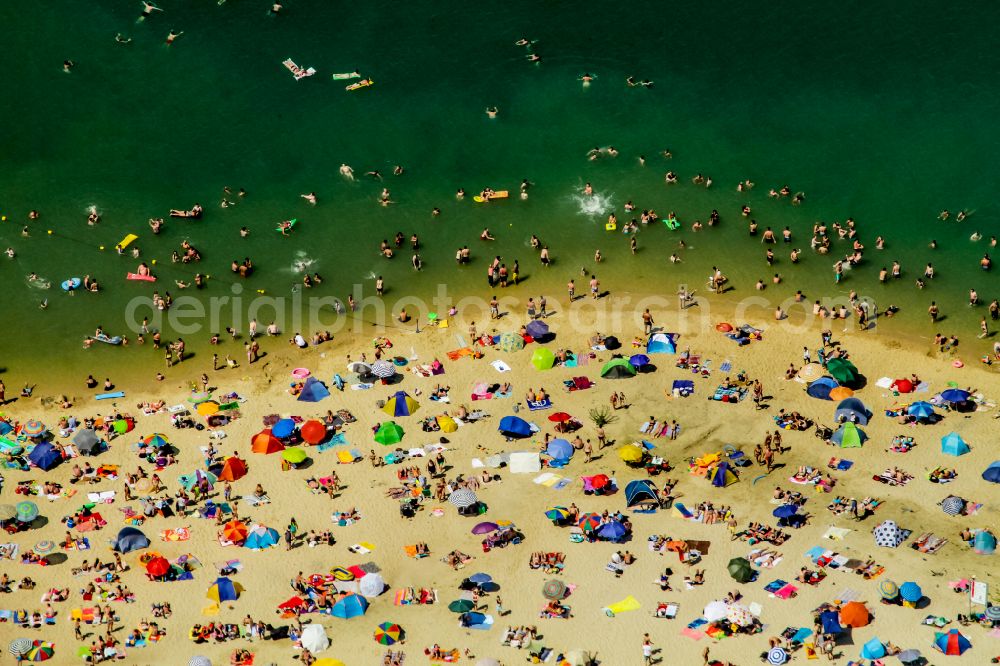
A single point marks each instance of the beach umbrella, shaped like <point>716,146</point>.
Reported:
<point>560,449</point>
<point>955,395</point>
<point>840,393</point>
<point>400,404</point>
<point>158,566</point>
<point>589,522</point>
<point>359,367</point>
<point>235,531</point>
<point>559,417</point>
<point>909,656</point>
<point>537,329</point>
<point>224,589</point>
<point>777,656</point>
<point>481,578</point>
<point>383,369</point>
<point>461,606</point>
<point>463,497</point>
<point>86,441</point>
<point>20,646</point>
<point>26,511</point>
<point>40,651</point>
<point>599,481</point>
<point>873,649</point>
<point>631,453</point>
<point>903,385</point>
<point>45,456</point>
<point>446,423</point>
<point>921,410</point>
<point>122,426</point>
<point>7,512</point>
<point>715,611</point>
<point>820,388</point>
<point>952,643</point>
<point>854,614</point>
<point>830,621</point>
<point>199,396</point>
<point>740,569</point>
<point>265,442</point>
<point>612,531</point>
<point>952,505</point>
<point>261,537</point>
<point>739,615</point>
<point>638,360</point>
<point>554,589</point>
<point>888,589</point>
<point>43,548</point>
<point>843,371</point>
<point>510,342</point>
<point>294,455</point>
<point>543,358</point>
<point>313,431</point>
<point>33,428</point>
<point>485,528</point>
<point>198,660</point>
<point>314,637</point>
<point>283,428</point>
<point>351,605</point>
<point>557,513</point>
<point>389,433</point>
<point>207,408</point>
<point>992,473</point>
<point>388,633</point>
<point>371,585</point>
<point>810,372</point>
<point>993,613</point>
<point>328,661</point>
<point>911,592</point>
<point>785,511</point>
<point>984,543</point>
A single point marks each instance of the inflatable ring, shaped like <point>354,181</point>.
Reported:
<point>301,373</point>
<point>957,364</point>
<point>610,226</point>
<point>724,327</point>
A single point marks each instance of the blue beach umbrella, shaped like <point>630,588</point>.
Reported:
<point>785,511</point>
<point>821,388</point>
<point>921,410</point>
<point>481,578</point>
<point>283,428</point>
<point>911,592</point>
<point>560,449</point>
<point>955,395</point>
<point>638,360</point>
<point>611,531</point>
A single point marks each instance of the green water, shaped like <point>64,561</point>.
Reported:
<point>878,114</point>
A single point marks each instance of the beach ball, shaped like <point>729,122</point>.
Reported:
<point>102,248</point>
<point>154,262</point>
<point>50,232</point>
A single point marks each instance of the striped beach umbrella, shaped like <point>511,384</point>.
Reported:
<point>156,440</point>
<point>993,613</point>
<point>952,505</point>
<point>554,589</point>
<point>557,513</point>
<point>20,646</point>
<point>589,522</point>
<point>41,651</point>
<point>26,511</point>
<point>44,547</point>
<point>463,497</point>
<point>388,633</point>
<point>199,396</point>
<point>888,589</point>
<point>383,369</point>
<point>777,656</point>
<point>33,428</point>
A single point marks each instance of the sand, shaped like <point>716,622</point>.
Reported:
<point>706,427</point>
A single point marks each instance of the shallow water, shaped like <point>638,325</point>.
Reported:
<point>877,114</point>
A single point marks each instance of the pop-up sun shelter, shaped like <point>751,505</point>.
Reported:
<point>640,492</point>
<point>660,343</point>
<point>514,427</point>
<point>849,436</point>
<point>313,391</point>
<point>952,444</point>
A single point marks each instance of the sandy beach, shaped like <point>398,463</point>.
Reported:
<point>705,428</point>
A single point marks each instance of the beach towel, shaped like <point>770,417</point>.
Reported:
<point>107,497</point>
<point>362,548</point>
<point>360,387</point>
<point>786,592</point>
<point>775,585</point>
<point>836,533</point>
<point>253,500</point>
<point>456,354</point>
<point>542,478</point>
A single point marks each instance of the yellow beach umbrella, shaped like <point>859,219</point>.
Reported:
<point>447,424</point>
<point>630,453</point>
<point>328,661</point>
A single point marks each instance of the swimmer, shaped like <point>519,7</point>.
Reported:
<point>347,172</point>
<point>68,65</point>
<point>492,111</point>
<point>374,174</point>
<point>244,232</point>
<point>122,40</point>
<point>533,57</point>
<point>9,252</point>
<point>961,216</point>
<point>275,8</point>
<point>588,190</point>
<point>173,35</point>
<point>44,304</point>
<point>181,284</point>
<point>311,197</point>
<point>460,193</point>
<point>147,9</point>
<point>975,237</point>
<point>397,170</point>
<point>524,42</point>
<point>586,79</point>
<point>944,215</point>
<point>486,235</point>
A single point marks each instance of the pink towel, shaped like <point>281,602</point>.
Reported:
<point>693,634</point>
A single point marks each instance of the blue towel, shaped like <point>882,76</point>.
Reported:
<point>845,464</point>
<point>537,405</point>
<point>814,553</point>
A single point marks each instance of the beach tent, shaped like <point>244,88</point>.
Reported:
<point>537,329</point>
<point>952,643</point>
<point>843,371</point>
<point>261,537</point>
<point>617,368</point>
<point>87,442</point>
<point>992,473</point>
<point>45,456</point>
<point>888,534</point>
<point>849,436</point>
<point>400,404</point>
<point>224,589</point>
<point>129,539</point>
<point>911,592</point>
<point>515,427</point>
<point>984,543</point>
<point>830,621</point>
<point>821,388</point>
<point>233,469</point>
<point>314,638</point>
<point>524,462</point>
<point>952,444</point>
<point>724,475</point>
<point>351,605</point>
<point>543,358</point>
<point>854,614</point>
<point>510,342</point>
<point>197,478</point>
<point>389,433</point>
<point>560,449</point>
<point>853,410</point>
<point>312,431</point>
<point>873,649</point>
<point>265,442</point>
<point>640,492</point>
<point>446,423</point>
<point>740,569</point>
<point>313,391</point>
<point>660,343</point>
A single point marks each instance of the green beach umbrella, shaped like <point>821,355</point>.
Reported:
<point>510,342</point>
<point>543,358</point>
<point>843,371</point>
<point>741,571</point>
<point>294,455</point>
<point>460,606</point>
<point>27,511</point>
<point>389,433</point>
